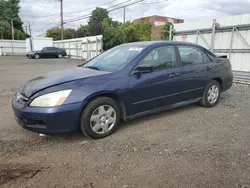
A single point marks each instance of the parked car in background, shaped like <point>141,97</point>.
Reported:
<point>124,82</point>
<point>47,52</point>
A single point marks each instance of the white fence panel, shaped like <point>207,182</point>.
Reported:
<point>12,47</point>
<point>193,25</point>
<point>82,48</point>
<point>234,20</point>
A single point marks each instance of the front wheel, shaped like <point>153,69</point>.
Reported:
<point>211,94</point>
<point>100,118</point>
<point>59,56</point>
<point>36,56</point>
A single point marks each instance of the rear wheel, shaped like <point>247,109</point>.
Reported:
<point>211,94</point>
<point>59,56</point>
<point>36,56</point>
<point>100,118</point>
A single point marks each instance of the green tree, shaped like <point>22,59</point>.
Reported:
<point>99,14</point>
<point>113,36</point>
<point>82,31</point>
<point>95,21</point>
<point>115,23</point>
<point>56,33</point>
<point>165,31</point>
<point>144,31</point>
<point>9,10</point>
<point>69,33</point>
<point>130,32</point>
<point>108,33</point>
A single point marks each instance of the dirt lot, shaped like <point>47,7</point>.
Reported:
<point>185,147</point>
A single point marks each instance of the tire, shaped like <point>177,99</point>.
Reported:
<point>36,56</point>
<point>59,56</point>
<point>212,101</point>
<point>93,123</point>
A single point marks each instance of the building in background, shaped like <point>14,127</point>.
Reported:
<point>157,24</point>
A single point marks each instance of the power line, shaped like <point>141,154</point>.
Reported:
<point>73,12</point>
<point>156,2</point>
<point>65,13</point>
<point>111,10</point>
<point>89,15</point>
<point>91,8</point>
<point>119,4</point>
<point>41,10</point>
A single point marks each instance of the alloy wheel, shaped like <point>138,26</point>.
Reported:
<point>213,94</point>
<point>103,119</point>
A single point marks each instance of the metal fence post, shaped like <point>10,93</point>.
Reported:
<point>12,48</point>
<point>170,32</point>
<point>197,35</point>
<point>81,47</point>
<point>96,46</point>
<point>102,44</point>
<point>87,49</point>
<point>231,44</point>
<point>76,49</point>
<point>213,35</point>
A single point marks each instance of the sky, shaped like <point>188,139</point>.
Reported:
<point>45,14</point>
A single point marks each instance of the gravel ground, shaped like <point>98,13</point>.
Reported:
<point>186,147</point>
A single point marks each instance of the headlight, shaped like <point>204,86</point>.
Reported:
<point>51,99</point>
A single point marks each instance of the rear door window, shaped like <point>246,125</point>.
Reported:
<point>190,55</point>
<point>206,58</point>
<point>209,54</point>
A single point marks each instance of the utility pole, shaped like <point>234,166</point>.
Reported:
<point>61,4</point>
<point>12,30</point>
<point>124,20</point>
<point>13,36</point>
<point>124,15</point>
<point>26,29</point>
<point>31,46</point>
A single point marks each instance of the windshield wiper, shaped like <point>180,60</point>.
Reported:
<point>92,67</point>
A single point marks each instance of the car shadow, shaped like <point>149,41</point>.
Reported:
<point>65,137</point>
<point>157,115</point>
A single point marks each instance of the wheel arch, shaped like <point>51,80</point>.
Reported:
<point>219,80</point>
<point>113,96</point>
<point>37,53</point>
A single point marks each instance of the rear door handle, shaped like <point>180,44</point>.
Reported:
<point>174,74</point>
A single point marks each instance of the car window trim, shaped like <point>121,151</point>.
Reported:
<point>204,53</point>
<point>175,51</point>
<point>199,48</point>
<point>210,55</point>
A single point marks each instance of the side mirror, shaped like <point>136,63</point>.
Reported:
<point>143,69</point>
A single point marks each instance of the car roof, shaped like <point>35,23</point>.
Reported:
<point>152,43</point>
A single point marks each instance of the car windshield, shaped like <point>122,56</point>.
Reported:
<point>114,59</point>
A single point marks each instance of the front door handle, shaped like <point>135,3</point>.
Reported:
<point>208,67</point>
<point>174,74</point>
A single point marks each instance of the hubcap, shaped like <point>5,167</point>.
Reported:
<point>213,94</point>
<point>60,55</point>
<point>103,119</point>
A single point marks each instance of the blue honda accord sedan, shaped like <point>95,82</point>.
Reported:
<point>124,82</point>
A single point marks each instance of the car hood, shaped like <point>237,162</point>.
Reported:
<point>55,78</point>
